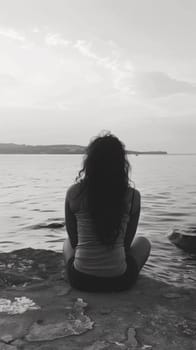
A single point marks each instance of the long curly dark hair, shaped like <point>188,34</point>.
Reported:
<point>105,179</point>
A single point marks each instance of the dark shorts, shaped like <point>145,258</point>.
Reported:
<point>90,283</point>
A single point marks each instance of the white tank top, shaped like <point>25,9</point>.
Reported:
<point>91,256</point>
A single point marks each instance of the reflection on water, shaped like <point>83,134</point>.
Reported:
<point>32,197</point>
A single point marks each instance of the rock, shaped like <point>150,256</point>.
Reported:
<point>7,338</point>
<point>172,295</point>
<point>187,328</point>
<point>131,338</point>
<point>98,345</point>
<point>76,323</point>
<point>102,345</point>
<point>18,306</point>
<point>52,225</point>
<point>184,239</point>
<point>7,347</point>
<point>62,291</point>
<point>19,343</point>
<point>105,311</point>
<point>30,266</point>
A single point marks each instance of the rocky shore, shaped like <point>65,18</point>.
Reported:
<point>39,310</point>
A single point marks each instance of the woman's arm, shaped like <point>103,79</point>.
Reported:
<point>133,220</point>
<point>70,223</point>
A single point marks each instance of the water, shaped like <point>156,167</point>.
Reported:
<point>32,197</point>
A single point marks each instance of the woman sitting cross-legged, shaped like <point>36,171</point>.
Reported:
<point>101,213</point>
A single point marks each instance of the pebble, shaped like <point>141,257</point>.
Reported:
<point>105,311</point>
<point>131,338</point>
<point>172,296</point>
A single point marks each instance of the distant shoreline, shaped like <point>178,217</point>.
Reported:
<point>182,154</point>
<point>12,148</point>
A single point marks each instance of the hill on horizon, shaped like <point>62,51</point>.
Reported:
<point>13,148</point>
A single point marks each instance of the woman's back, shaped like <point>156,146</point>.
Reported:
<point>91,255</point>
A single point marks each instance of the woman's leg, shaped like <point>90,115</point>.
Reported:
<point>140,250</point>
<point>68,251</point>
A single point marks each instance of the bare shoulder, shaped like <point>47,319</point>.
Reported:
<point>73,191</point>
<point>133,192</point>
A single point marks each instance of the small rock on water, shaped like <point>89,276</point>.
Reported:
<point>184,239</point>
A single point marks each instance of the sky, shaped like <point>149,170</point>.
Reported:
<point>72,68</point>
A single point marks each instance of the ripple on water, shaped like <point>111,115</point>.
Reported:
<point>14,186</point>
<point>16,202</point>
<point>168,219</point>
<point>56,240</point>
<point>177,214</point>
<point>44,210</point>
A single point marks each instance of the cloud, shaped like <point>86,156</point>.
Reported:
<point>81,73</point>
<point>126,81</point>
<point>130,82</point>
<point>7,80</point>
<point>86,49</point>
<point>160,84</point>
<point>104,54</point>
<point>11,34</point>
<point>119,68</point>
<point>56,40</point>
<point>36,30</point>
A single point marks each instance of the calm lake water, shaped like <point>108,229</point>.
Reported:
<point>33,189</point>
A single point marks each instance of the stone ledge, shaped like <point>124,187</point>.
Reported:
<point>152,315</point>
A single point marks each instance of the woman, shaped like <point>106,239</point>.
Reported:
<point>101,213</point>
